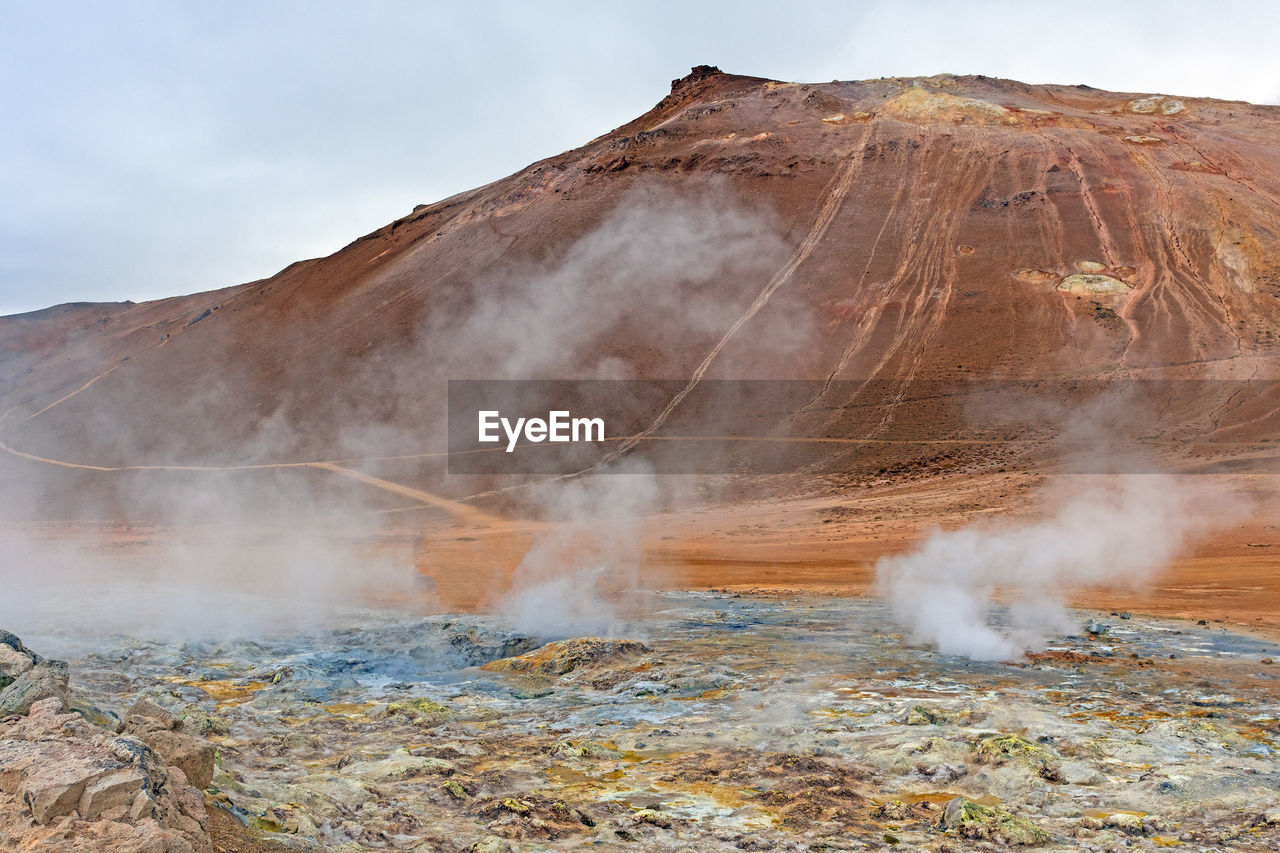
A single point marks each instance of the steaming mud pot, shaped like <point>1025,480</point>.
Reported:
<point>723,722</point>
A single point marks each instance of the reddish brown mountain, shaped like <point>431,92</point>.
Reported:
<point>901,229</point>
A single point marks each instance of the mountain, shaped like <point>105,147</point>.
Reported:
<point>869,237</point>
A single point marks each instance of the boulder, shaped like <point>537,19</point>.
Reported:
<point>1093,284</point>
<point>974,820</point>
<point>1001,749</point>
<point>27,678</point>
<point>1080,773</point>
<point>398,767</point>
<point>12,642</point>
<point>92,713</point>
<point>1271,817</point>
<point>924,715</point>
<point>1129,824</point>
<point>14,663</point>
<point>119,789</point>
<point>490,844</point>
<point>78,787</point>
<point>52,786</point>
<point>45,680</point>
<point>192,755</point>
<point>54,774</point>
<point>196,720</point>
<point>146,715</point>
<point>15,658</point>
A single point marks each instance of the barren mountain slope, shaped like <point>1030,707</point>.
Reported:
<point>903,230</point>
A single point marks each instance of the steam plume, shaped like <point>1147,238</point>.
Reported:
<point>572,580</point>
<point>1117,530</point>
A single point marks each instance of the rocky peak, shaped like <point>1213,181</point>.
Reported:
<point>696,75</point>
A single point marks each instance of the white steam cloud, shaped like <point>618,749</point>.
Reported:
<point>581,573</point>
<point>644,272</point>
<point>642,281</point>
<point>1114,530</point>
<point>186,553</point>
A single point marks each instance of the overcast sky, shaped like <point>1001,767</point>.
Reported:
<point>157,148</point>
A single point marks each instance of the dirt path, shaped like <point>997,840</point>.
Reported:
<point>841,184</point>
<point>460,511</point>
<point>61,399</point>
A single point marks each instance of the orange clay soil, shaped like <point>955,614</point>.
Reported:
<point>816,545</point>
<point>829,545</point>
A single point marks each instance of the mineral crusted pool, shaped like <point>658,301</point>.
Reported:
<point>742,723</point>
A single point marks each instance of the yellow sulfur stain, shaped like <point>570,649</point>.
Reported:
<point>838,713</point>
<point>567,776</point>
<point>941,798</point>
<point>348,709</point>
<point>1101,813</point>
<point>727,797</point>
<point>229,691</point>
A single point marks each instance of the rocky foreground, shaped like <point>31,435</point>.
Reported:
<point>75,778</point>
<point>726,723</point>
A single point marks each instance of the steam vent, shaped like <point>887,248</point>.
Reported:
<point>798,466</point>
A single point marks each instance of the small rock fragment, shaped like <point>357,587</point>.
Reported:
<point>1127,823</point>
<point>564,656</point>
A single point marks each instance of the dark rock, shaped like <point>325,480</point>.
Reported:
<point>696,74</point>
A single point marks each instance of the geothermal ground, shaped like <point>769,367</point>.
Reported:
<point>722,722</point>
